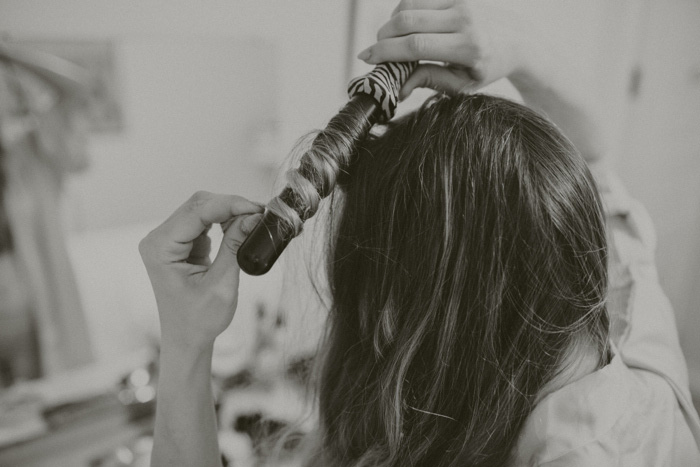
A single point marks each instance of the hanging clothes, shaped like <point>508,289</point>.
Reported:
<point>42,138</point>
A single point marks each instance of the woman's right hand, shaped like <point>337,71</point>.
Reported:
<point>476,44</point>
<point>196,297</point>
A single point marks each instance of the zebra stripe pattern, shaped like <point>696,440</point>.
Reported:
<point>383,84</point>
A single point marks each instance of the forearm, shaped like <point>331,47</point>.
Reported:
<point>196,302</point>
<point>552,82</point>
<point>185,428</point>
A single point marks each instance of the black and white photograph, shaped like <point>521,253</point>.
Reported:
<point>349,233</point>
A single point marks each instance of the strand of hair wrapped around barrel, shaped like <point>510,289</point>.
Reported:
<point>316,176</point>
<point>331,150</point>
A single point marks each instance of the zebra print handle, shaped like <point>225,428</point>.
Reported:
<point>383,84</point>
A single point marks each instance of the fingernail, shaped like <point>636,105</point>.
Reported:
<point>249,224</point>
<point>364,55</point>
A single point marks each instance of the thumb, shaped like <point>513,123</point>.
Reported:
<point>441,78</point>
<point>234,235</point>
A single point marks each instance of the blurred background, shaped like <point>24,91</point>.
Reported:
<point>114,113</point>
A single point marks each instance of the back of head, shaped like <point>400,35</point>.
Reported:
<point>469,259</point>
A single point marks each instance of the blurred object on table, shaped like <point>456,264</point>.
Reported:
<point>21,418</point>
<point>136,453</point>
<point>71,419</point>
<point>137,391</point>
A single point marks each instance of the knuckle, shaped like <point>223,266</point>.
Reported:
<point>145,246</point>
<point>142,247</point>
<point>418,45</point>
<point>477,71</point>
<point>405,21</point>
<point>461,15</point>
<point>461,18</point>
<point>479,62</point>
<point>236,199</point>
<point>231,243</point>
<point>406,5</point>
<point>199,197</point>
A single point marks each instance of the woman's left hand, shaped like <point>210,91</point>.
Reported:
<point>197,297</point>
<point>476,42</point>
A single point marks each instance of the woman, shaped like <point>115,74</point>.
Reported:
<point>468,276</point>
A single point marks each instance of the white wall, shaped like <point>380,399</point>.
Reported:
<point>198,79</point>
<point>661,158</point>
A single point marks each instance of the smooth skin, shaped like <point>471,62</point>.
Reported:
<point>477,44</point>
<point>196,301</point>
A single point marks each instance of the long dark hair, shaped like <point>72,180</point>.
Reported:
<point>468,259</point>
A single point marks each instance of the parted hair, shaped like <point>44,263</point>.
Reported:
<point>467,259</point>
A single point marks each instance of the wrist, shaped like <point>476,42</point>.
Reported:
<point>184,364</point>
<point>185,346</point>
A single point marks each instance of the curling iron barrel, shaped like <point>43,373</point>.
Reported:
<point>373,99</point>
